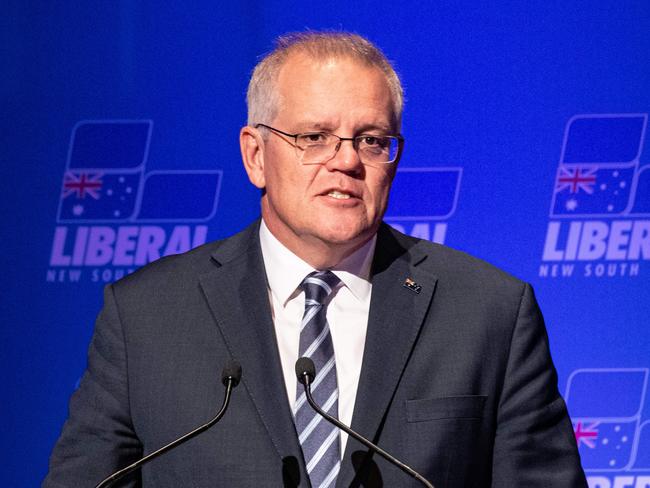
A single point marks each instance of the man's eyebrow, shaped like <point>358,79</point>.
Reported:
<point>383,128</point>
<point>331,127</point>
<point>315,126</point>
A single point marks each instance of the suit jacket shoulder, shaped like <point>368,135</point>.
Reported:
<point>192,264</point>
<point>445,261</point>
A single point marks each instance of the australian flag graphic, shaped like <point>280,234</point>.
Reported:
<point>605,407</point>
<point>98,195</point>
<point>599,172</point>
<point>592,189</point>
<point>105,181</point>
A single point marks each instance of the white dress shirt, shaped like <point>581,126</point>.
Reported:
<point>347,315</point>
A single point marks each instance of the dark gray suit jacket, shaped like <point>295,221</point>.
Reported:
<point>457,380</point>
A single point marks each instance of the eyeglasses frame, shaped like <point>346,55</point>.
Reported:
<point>399,137</point>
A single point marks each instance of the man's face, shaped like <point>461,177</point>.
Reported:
<point>342,201</point>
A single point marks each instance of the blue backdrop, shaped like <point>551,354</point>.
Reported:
<point>524,123</point>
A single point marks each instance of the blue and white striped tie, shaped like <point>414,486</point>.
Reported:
<point>319,439</point>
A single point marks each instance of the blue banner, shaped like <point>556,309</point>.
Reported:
<point>525,131</point>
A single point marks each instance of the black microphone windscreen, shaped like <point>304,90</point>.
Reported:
<point>305,367</point>
<point>232,371</point>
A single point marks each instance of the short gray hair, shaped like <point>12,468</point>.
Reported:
<point>263,98</point>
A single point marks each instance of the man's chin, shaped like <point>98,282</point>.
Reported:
<point>346,236</point>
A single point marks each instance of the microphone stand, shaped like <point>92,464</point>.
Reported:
<point>230,382</point>
<point>306,381</point>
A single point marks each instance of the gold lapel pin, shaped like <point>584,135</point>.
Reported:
<point>412,285</point>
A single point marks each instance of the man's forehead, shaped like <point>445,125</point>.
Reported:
<point>305,66</point>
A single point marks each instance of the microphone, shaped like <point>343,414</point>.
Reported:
<point>230,378</point>
<point>306,372</point>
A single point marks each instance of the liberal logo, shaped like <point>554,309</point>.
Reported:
<point>423,199</point>
<point>606,407</point>
<point>113,216</point>
<point>599,219</point>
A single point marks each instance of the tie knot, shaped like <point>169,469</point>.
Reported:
<point>319,285</point>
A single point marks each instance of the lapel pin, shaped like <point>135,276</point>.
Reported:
<point>412,285</point>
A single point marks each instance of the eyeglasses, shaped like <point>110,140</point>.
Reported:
<point>320,147</point>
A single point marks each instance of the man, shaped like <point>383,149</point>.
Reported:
<point>439,358</point>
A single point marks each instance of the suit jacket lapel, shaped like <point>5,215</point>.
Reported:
<point>236,291</point>
<point>396,316</point>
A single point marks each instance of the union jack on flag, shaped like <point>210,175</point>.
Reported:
<point>82,184</point>
<point>576,178</point>
<point>586,434</point>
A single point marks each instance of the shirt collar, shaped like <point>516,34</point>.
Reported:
<point>285,271</point>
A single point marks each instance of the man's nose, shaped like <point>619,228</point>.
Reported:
<point>346,157</point>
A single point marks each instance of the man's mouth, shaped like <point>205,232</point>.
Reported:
<point>338,195</point>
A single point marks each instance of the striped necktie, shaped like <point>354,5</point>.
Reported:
<point>319,439</point>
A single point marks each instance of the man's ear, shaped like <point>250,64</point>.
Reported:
<point>252,154</point>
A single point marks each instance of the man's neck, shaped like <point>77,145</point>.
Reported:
<point>317,253</point>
